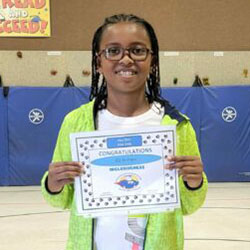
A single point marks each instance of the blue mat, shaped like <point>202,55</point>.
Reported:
<point>30,118</point>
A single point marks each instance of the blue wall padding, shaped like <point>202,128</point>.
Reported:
<point>4,154</point>
<point>187,101</point>
<point>26,149</point>
<point>31,146</point>
<point>225,146</point>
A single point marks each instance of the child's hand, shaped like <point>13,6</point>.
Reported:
<point>61,173</point>
<point>189,167</point>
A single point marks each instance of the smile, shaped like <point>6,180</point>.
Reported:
<point>126,73</point>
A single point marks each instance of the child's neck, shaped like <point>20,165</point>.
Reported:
<point>128,106</point>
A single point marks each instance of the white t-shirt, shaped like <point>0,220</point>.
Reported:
<point>123,232</point>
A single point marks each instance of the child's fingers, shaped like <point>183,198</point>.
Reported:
<point>67,175</point>
<point>190,170</point>
<point>179,162</point>
<point>69,168</point>
<point>182,158</point>
<point>66,181</point>
<point>68,163</point>
<point>60,167</point>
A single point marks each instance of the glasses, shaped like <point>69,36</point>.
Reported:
<point>117,53</point>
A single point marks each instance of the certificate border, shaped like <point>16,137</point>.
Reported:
<point>80,136</point>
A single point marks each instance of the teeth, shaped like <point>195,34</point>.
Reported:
<point>126,73</point>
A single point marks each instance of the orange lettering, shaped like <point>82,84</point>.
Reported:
<point>5,26</point>
<point>43,26</point>
<point>15,26</point>
<point>40,4</point>
<point>7,3</point>
<point>24,27</point>
<point>28,3</point>
<point>34,27</point>
<point>1,29</point>
<point>18,4</point>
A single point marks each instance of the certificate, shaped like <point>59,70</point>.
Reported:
<point>124,171</point>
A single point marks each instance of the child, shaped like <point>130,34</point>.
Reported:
<point>125,56</point>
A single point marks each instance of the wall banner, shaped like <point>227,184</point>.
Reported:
<point>24,18</point>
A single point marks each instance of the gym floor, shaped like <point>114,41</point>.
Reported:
<point>223,222</point>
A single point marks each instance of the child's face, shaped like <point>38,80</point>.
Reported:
<point>125,75</point>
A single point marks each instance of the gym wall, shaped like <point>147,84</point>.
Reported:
<point>195,29</point>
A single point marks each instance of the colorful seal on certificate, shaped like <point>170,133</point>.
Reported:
<point>128,181</point>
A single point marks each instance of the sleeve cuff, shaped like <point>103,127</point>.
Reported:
<point>47,189</point>
<point>191,188</point>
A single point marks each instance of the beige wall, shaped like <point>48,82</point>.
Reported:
<point>34,69</point>
<point>182,25</point>
<point>192,26</point>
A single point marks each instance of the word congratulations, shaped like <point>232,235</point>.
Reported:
<point>125,151</point>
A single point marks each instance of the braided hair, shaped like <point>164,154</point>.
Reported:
<point>153,82</point>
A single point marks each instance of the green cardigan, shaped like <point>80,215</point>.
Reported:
<point>164,230</point>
